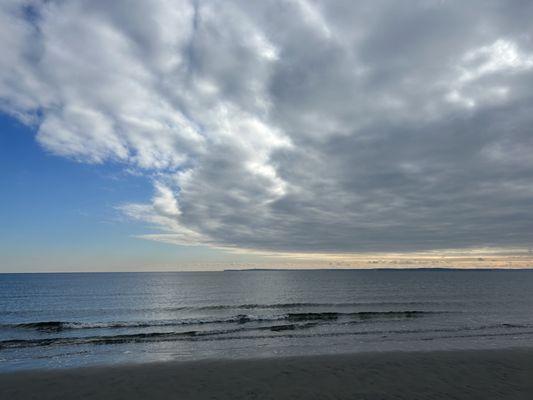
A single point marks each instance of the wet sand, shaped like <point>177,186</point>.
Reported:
<point>487,374</point>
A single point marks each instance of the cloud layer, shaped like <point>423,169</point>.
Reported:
<point>291,125</point>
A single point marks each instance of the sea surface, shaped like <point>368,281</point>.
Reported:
<point>77,319</point>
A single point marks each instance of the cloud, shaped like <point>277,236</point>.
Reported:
<point>291,126</point>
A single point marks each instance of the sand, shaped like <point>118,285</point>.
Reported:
<point>491,374</point>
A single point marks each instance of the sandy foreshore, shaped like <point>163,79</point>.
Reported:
<point>490,374</point>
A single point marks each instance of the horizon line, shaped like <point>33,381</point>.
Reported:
<point>530,268</point>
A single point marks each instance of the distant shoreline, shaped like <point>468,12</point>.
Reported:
<point>271,270</point>
<point>471,374</point>
<point>375,269</point>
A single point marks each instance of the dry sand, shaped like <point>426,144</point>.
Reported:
<point>492,374</point>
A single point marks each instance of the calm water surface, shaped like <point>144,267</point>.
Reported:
<point>64,320</point>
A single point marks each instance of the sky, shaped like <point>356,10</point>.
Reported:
<point>169,134</point>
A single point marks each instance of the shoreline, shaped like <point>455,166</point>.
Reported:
<point>458,374</point>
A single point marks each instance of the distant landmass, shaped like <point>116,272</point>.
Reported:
<point>373,269</point>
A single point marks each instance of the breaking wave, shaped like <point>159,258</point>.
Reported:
<point>276,331</point>
<point>58,326</point>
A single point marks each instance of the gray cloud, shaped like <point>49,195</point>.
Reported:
<point>326,126</point>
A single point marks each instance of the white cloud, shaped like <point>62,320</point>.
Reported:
<point>284,125</point>
<point>501,57</point>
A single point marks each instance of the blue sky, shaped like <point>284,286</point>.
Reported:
<point>61,215</point>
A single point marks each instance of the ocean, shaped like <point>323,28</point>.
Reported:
<point>80,319</point>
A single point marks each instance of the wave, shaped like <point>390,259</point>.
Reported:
<point>360,315</point>
<point>253,306</point>
<point>141,337</point>
<point>279,331</point>
<point>250,306</point>
<point>51,326</point>
<point>58,326</point>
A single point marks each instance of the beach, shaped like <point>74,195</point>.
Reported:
<point>476,374</point>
